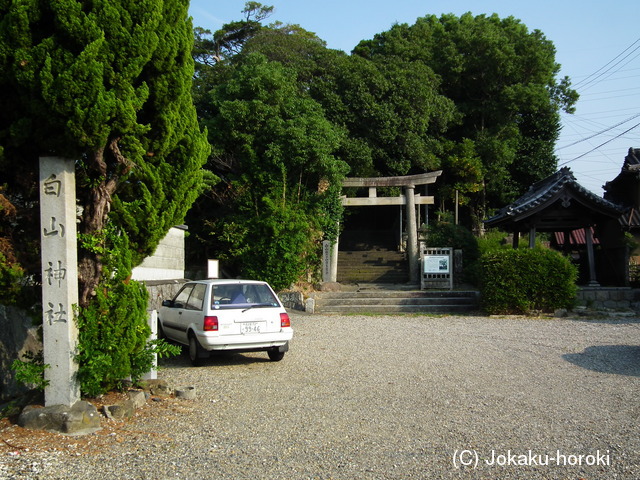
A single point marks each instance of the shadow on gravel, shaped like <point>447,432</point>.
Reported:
<point>616,359</point>
<point>608,318</point>
<point>215,360</point>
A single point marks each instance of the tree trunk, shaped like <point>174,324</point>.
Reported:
<point>478,210</point>
<point>105,166</point>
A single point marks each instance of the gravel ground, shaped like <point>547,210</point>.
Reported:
<point>382,397</point>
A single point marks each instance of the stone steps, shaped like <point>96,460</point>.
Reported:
<point>380,300</point>
<point>383,266</point>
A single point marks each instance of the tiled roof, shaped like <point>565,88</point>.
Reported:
<point>632,160</point>
<point>547,190</point>
<point>629,171</point>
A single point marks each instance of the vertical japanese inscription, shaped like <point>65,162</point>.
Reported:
<point>59,278</point>
<point>53,276</point>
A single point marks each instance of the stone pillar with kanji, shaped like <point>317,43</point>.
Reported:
<point>59,279</point>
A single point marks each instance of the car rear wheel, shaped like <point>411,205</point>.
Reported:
<point>275,355</point>
<point>196,352</point>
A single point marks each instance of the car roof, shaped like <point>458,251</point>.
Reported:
<point>227,281</point>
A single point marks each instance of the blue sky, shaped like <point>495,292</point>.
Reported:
<point>597,43</point>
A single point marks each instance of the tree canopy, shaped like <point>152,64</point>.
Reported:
<point>392,113</point>
<point>476,96</point>
<point>503,81</point>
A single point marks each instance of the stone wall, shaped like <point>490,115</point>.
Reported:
<point>167,262</point>
<point>293,300</point>
<point>612,298</point>
<point>18,335</point>
<point>160,290</point>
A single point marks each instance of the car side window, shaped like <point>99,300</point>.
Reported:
<point>196,299</point>
<point>180,301</point>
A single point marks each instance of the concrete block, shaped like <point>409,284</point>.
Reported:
<point>310,305</point>
<point>186,393</point>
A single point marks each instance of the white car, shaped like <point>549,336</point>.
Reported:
<point>226,315</point>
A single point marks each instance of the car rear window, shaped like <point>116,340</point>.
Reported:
<point>242,294</point>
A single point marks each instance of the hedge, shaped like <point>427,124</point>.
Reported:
<point>524,280</point>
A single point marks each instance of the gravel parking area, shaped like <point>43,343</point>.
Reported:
<point>382,397</point>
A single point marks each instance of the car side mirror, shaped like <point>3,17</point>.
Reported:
<point>167,303</point>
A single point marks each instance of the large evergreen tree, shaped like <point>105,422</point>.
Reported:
<point>107,83</point>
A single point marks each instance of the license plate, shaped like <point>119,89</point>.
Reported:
<point>250,327</point>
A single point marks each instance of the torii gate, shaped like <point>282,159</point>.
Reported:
<point>409,199</point>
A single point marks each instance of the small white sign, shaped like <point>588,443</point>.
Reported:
<point>213,269</point>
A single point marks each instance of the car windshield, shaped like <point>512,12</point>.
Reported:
<point>241,295</point>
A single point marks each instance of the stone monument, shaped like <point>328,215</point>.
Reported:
<point>59,279</point>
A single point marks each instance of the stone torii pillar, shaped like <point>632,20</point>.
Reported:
<point>412,235</point>
<point>59,279</point>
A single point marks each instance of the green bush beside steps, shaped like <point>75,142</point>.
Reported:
<point>518,281</point>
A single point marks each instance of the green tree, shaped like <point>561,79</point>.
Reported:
<point>503,81</point>
<point>377,119</point>
<point>109,84</point>
<point>223,44</point>
<point>273,148</point>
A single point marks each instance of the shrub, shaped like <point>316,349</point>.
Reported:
<point>30,371</point>
<point>11,276</point>
<point>522,280</point>
<point>113,331</point>
<point>493,240</point>
<point>280,247</point>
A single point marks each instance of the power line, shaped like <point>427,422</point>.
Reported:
<point>616,64</point>
<point>610,73</point>
<point>597,74</point>
<point>601,145</point>
<point>600,132</point>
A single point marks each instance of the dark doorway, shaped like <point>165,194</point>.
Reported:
<point>371,228</point>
